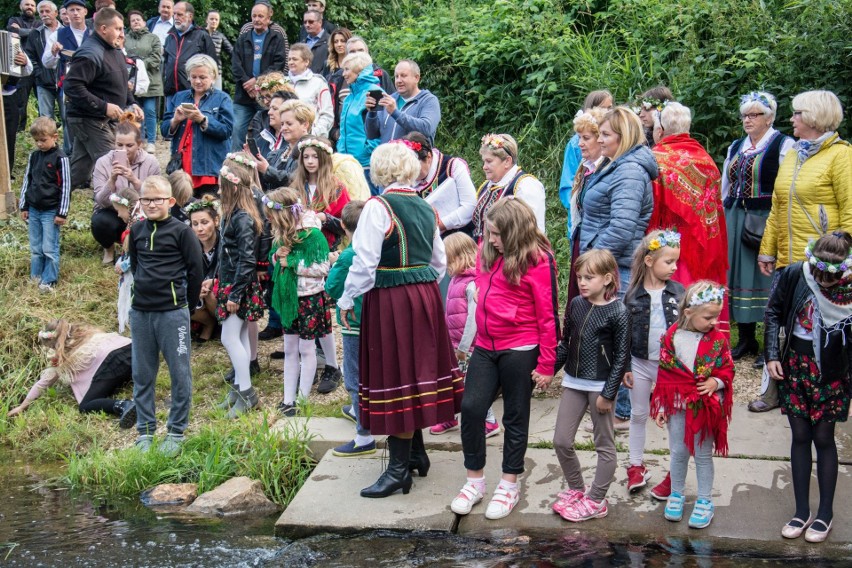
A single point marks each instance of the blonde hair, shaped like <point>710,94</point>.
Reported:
<point>509,148</point>
<point>523,243</point>
<point>285,224</point>
<point>357,61</point>
<point>276,77</point>
<point>752,101</point>
<point>240,195</point>
<point>156,182</point>
<point>43,127</point>
<point>638,270</point>
<point>394,163</point>
<point>304,51</point>
<point>693,290</point>
<point>181,183</point>
<point>202,60</point>
<point>600,262</point>
<point>461,253</point>
<point>589,120</point>
<point>821,110</point>
<point>627,126</point>
<point>302,112</point>
<point>64,338</point>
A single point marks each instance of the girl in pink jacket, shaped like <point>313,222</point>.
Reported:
<point>514,349</point>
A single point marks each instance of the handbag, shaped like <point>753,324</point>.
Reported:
<point>753,229</point>
<point>175,163</point>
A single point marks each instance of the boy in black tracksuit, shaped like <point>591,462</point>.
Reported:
<point>166,261</point>
<point>45,198</point>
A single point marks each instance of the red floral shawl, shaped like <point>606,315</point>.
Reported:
<point>677,385</point>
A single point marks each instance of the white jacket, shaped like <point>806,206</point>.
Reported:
<point>313,90</point>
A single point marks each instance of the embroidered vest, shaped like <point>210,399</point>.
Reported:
<point>753,176</point>
<point>486,196</point>
<point>407,249</point>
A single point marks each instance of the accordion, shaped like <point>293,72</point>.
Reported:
<point>10,46</point>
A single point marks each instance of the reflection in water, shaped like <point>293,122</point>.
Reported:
<point>40,526</point>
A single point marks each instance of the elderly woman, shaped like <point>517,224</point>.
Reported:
<point>504,178</point>
<point>687,196</point>
<point>200,125</point>
<point>126,166</point>
<point>277,168</point>
<point>444,182</point>
<point>573,155</point>
<point>413,381</point>
<point>748,177</point>
<point>272,91</point>
<point>358,74</point>
<point>311,89</point>
<point>812,195</point>
<point>141,43</point>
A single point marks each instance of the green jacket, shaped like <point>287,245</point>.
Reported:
<point>146,46</point>
<point>334,284</point>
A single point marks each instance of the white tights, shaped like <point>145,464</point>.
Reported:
<point>253,331</point>
<point>298,351</point>
<point>329,349</point>
<point>644,377</point>
<point>235,338</point>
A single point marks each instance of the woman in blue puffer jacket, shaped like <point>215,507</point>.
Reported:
<point>358,73</point>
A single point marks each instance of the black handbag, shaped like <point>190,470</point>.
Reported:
<point>753,229</point>
<point>175,163</point>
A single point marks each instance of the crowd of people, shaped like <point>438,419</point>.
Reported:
<point>319,186</point>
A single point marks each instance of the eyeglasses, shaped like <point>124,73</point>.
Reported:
<point>752,115</point>
<point>152,200</point>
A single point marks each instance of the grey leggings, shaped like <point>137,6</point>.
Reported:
<point>572,407</point>
<point>680,458</point>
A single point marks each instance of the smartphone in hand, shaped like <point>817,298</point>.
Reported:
<point>375,94</point>
<point>120,157</point>
<point>187,106</point>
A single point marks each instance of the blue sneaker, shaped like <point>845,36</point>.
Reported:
<point>348,414</point>
<point>351,450</point>
<point>674,507</point>
<point>701,515</point>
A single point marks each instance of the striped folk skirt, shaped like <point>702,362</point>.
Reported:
<point>410,378</point>
<point>749,287</point>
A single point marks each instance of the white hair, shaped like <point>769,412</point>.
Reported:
<point>47,3</point>
<point>757,101</point>
<point>675,118</point>
<point>202,60</point>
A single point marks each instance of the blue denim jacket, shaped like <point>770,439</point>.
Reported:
<point>209,147</point>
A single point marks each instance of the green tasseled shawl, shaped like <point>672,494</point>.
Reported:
<point>312,249</point>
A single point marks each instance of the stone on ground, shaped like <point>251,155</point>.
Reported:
<point>170,494</point>
<point>237,496</point>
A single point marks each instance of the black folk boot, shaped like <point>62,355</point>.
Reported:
<point>419,458</point>
<point>747,344</point>
<point>396,476</point>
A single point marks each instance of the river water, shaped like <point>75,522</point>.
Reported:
<point>44,526</point>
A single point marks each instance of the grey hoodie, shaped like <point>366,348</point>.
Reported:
<point>421,114</point>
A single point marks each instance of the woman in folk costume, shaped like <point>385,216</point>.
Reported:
<point>687,196</point>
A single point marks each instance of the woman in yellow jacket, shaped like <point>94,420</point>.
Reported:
<point>812,195</point>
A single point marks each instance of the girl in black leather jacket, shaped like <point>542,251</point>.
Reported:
<point>808,339</point>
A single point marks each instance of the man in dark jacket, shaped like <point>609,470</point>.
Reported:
<point>257,52</point>
<point>24,25</point>
<point>184,41</point>
<point>327,27</point>
<point>317,40</point>
<point>97,92</point>
<point>45,79</point>
<point>162,25</point>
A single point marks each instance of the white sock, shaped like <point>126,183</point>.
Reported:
<point>478,483</point>
<point>508,485</point>
<point>329,350</point>
<point>362,440</point>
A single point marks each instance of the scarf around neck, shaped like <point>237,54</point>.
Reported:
<point>808,148</point>
<point>832,311</point>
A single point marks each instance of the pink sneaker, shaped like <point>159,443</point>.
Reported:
<point>491,429</point>
<point>584,509</point>
<point>444,427</point>
<point>566,499</point>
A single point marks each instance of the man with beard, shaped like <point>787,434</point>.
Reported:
<point>45,79</point>
<point>182,42</point>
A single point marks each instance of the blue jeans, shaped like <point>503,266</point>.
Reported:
<point>622,401</point>
<point>44,245</point>
<point>374,189</point>
<point>149,107</point>
<point>47,101</point>
<point>242,117</point>
<point>351,378</point>
<point>680,458</point>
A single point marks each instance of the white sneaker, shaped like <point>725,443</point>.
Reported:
<point>150,148</point>
<point>466,499</point>
<point>502,503</point>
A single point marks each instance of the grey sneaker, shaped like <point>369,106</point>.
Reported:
<point>246,400</point>
<point>329,380</point>
<point>170,446</point>
<point>144,442</point>
<point>230,398</point>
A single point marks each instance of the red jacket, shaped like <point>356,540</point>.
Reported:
<point>509,315</point>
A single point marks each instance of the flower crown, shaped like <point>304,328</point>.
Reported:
<point>201,205</point>
<point>410,144</point>
<point>713,294</point>
<point>229,175</point>
<point>241,159</point>
<point>667,238</point>
<point>496,142</point>
<point>296,209</point>
<point>314,143</point>
<point>756,97</point>
<point>44,334</point>
<point>648,104</point>
<point>825,266</point>
<point>119,200</point>
<point>269,84</point>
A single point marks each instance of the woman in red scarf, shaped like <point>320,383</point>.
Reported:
<point>687,196</point>
<point>694,395</point>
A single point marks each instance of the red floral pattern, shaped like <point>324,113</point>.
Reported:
<point>251,306</point>
<point>804,395</point>
<point>314,319</point>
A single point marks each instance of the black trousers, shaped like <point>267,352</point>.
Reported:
<point>114,373</point>
<point>12,118</point>
<point>487,373</point>
<point>107,227</point>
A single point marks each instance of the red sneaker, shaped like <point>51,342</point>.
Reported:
<point>444,427</point>
<point>663,489</point>
<point>637,478</point>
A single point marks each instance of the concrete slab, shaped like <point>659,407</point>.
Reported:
<point>753,500</point>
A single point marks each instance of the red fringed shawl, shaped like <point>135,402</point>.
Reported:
<point>677,388</point>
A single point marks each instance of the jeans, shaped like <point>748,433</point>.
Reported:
<point>644,377</point>
<point>47,101</point>
<point>680,458</point>
<point>622,400</point>
<point>487,373</point>
<point>242,117</point>
<point>149,107</point>
<point>44,245</point>
<point>166,333</point>
<point>374,189</point>
<point>93,138</point>
<point>351,377</point>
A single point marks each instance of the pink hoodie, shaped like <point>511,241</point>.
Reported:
<point>509,316</point>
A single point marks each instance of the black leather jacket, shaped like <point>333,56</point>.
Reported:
<point>638,302</point>
<point>786,301</point>
<point>596,343</point>
<point>238,244</point>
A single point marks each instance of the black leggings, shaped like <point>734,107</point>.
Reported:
<point>821,435</point>
<point>107,227</point>
<point>113,374</point>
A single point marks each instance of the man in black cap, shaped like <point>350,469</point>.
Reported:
<point>97,92</point>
